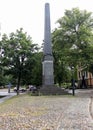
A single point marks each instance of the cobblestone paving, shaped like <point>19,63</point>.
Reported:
<point>77,117</point>
<point>46,113</point>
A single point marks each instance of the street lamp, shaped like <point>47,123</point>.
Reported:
<point>73,81</point>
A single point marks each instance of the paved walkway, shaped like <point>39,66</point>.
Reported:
<point>49,112</point>
<point>83,92</point>
<point>4,92</point>
<point>79,115</point>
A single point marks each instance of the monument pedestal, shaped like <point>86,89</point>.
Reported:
<point>48,77</point>
<point>52,90</point>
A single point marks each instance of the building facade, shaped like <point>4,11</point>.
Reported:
<point>84,78</point>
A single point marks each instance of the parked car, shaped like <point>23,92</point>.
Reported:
<point>32,88</point>
<point>20,89</point>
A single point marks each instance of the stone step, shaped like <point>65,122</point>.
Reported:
<point>52,90</point>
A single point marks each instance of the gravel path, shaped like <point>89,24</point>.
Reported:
<point>46,113</point>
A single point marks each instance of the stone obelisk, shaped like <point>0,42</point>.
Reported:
<point>48,76</point>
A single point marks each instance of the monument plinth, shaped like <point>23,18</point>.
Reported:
<point>48,71</point>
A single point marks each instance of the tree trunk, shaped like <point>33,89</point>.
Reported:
<point>18,84</point>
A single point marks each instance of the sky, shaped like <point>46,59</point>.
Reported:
<point>29,14</point>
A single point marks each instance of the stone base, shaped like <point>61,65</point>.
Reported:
<point>52,90</point>
<point>48,76</point>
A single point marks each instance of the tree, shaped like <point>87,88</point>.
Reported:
<point>61,70</point>
<point>18,50</point>
<point>33,70</point>
<point>73,37</point>
<point>2,67</point>
<point>37,70</point>
<point>90,58</point>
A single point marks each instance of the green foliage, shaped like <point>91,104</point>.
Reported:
<point>18,56</point>
<point>37,70</point>
<point>72,41</point>
<point>33,70</point>
<point>90,58</point>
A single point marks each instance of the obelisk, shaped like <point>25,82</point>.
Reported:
<point>48,71</point>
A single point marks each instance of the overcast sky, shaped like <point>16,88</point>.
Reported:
<point>29,14</point>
